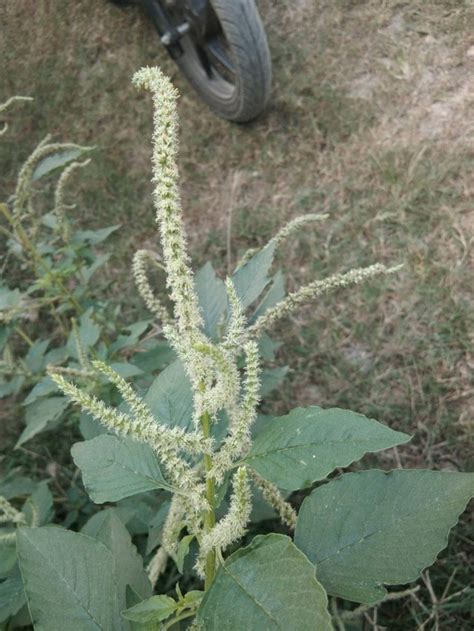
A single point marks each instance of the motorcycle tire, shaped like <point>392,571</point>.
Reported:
<point>238,87</point>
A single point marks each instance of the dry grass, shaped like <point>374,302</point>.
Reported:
<point>371,120</point>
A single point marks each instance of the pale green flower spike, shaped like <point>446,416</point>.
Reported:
<point>294,225</point>
<point>174,524</point>
<point>141,260</point>
<point>237,441</point>
<point>231,527</point>
<point>9,514</point>
<point>167,201</point>
<point>60,206</point>
<point>4,106</point>
<point>237,321</point>
<point>157,565</point>
<point>224,393</point>
<point>314,290</point>
<point>8,538</point>
<point>272,495</point>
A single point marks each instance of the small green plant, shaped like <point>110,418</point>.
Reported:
<point>195,441</point>
<point>49,276</point>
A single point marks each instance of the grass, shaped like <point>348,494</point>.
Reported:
<point>370,121</point>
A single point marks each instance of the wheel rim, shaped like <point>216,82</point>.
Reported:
<point>208,52</point>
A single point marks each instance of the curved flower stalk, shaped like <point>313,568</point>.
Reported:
<point>295,224</point>
<point>317,288</point>
<point>238,440</point>
<point>193,461</point>
<point>231,527</point>
<point>60,206</point>
<point>167,201</point>
<point>141,260</point>
<point>157,565</point>
<point>272,495</point>
<point>6,105</point>
<point>237,319</point>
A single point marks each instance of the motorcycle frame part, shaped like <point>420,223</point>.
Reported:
<point>195,14</point>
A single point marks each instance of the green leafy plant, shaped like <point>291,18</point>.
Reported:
<point>194,442</point>
<point>49,276</point>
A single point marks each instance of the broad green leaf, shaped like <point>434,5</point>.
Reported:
<point>42,388</point>
<point>94,236</point>
<point>170,397</point>
<point>50,220</point>
<point>7,558</point>
<point>275,293</point>
<point>11,387</point>
<point>267,347</point>
<point>113,468</point>
<point>371,528</point>
<point>38,508</point>
<point>192,597</point>
<point>295,450</point>
<point>155,609</point>
<point>126,370</point>
<point>89,331</point>
<point>13,485</point>
<point>12,596</point>
<point>41,415</point>
<point>5,332</point>
<point>268,585</point>
<point>9,297</point>
<point>68,579</point>
<point>89,427</point>
<point>86,273</point>
<point>139,512</point>
<point>252,278</point>
<point>94,523</point>
<point>34,358</point>
<point>182,551</point>
<point>128,563</point>
<point>131,339</point>
<point>271,378</point>
<point>156,358</point>
<point>212,297</point>
<point>58,160</point>
<point>56,355</point>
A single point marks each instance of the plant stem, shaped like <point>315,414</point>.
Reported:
<point>23,335</point>
<point>210,516</point>
<point>177,618</point>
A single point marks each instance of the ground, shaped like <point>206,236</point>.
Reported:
<point>370,120</point>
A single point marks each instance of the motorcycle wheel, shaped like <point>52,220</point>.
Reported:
<point>230,66</point>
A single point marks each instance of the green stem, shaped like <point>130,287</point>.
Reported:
<point>24,335</point>
<point>177,618</point>
<point>210,516</point>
